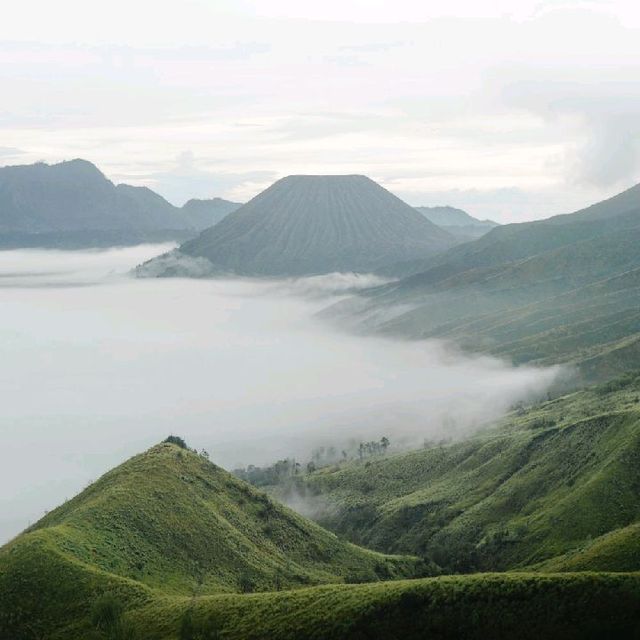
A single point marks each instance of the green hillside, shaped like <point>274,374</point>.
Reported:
<point>618,550</point>
<point>545,482</point>
<point>168,521</point>
<point>168,546</point>
<point>476,607</point>
<point>562,290</point>
<point>46,595</point>
<point>172,520</point>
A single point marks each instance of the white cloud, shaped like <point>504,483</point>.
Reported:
<point>447,97</point>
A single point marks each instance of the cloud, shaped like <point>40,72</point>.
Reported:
<point>110,365</point>
<point>10,153</point>
<point>186,180</point>
<point>433,98</point>
<point>601,111</point>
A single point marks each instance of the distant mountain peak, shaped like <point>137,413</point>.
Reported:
<point>314,224</point>
<point>78,166</point>
<point>74,202</point>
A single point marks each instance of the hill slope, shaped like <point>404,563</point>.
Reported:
<point>307,225</point>
<point>145,551</point>
<point>558,290</point>
<point>172,520</point>
<point>169,522</point>
<point>543,484</point>
<point>74,203</point>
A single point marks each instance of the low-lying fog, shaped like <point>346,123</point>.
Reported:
<point>96,366</point>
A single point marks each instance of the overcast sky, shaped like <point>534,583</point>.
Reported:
<point>512,109</point>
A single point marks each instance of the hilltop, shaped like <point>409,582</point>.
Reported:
<point>171,519</point>
<point>309,225</point>
<point>170,522</point>
<point>73,204</point>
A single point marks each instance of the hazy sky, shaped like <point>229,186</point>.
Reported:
<point>96,367</point>
<point>511,109</point>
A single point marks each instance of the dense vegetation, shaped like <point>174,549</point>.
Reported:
<point>169,546</point>
<point>47,596</point>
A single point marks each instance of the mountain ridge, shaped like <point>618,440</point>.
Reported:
<point>543,292</point>
<point>309,225</point>
<point>72,202</point>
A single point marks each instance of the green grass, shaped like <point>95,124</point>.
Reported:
<point>168,535</point>
<point>618,550</point>
<point>168,522</point>
<point>172,520</point>
<point>535,487</point>
<point>45,594</point>
<point>483,606</point>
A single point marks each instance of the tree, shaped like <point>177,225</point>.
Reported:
<point>245,583</point>
<point>177,440</point>
<point>384,443</point>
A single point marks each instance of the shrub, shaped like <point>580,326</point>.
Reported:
<point>106,612</point>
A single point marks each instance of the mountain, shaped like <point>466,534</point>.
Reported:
<point>167,545</point>
<point>457,222</point>
<point>205,213</point>
<point>73,203</point>
<point>307,225</point>
<point>562,290</point>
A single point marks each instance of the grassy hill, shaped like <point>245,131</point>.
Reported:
<point>46,596</point>
<point>168,546</point>
<point>168,521</point>
<point>546,482</point>
<point>478,607</point>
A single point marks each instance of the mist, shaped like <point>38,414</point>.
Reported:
<point>96,365</point>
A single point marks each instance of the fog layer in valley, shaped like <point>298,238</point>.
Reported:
<point>96,366</point>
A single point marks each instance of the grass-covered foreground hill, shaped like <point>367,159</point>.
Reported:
<point>553,487</point>
<point>171,522</point>
<point>169,547</point>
